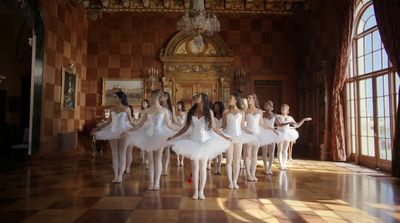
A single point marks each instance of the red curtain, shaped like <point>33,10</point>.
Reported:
<point>345,9</point>
<point>387,13</point>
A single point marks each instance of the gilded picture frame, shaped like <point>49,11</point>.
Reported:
<point>69,85</point>
<point>133,88</point>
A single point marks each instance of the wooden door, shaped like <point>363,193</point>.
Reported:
<point>185,90</point>
<point>210,88</point>
<point>269,90</point>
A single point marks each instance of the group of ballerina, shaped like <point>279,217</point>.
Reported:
<point>203,133</point>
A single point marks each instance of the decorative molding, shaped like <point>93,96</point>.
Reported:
<point>281,7</point>
<point>182,64</point>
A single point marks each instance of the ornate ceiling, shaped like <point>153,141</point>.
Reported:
<point>282,7</point>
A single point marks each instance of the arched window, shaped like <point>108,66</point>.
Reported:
<point>370,93</point>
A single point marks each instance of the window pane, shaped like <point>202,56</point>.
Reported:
<point>382,151</point>
<point>368,86</point>
<point>379,87</point>
<point>386,84</point>
<point>364,146</point>
<point>389,149</point>
<point>363,108</point>
<point>381,107</point>
<point>371,146</point>
<point>368,63</point>
<point>360,47</point>
<point>370,107</point>
<point>371,131</point>
<point>363,126</point>
<point>368,44</point>
<point>360,67</point>
<point>377,57</point>
<point>361,89</point>
<point>385,62</point>
<point>371,22</point>
<point>387,127</point>
<point>381,124</point>
<point>377,42</point>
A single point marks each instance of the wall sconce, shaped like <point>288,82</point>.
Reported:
<point>240,78</point>
<point>151,77</point>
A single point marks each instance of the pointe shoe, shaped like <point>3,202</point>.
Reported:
<point>128,171</point>
<point>151,187</point>
<point>231,186</point>
<point>114,180</point>
<point>236,187</point>
<point>250,178</point>
<point>156,187</point>
<point>195,196</point>
<point>164,173</point>
<point>119,180</point>
<point>201,196</point>
<point>255,179</point>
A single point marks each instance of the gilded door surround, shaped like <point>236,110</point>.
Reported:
<point>184,62</point>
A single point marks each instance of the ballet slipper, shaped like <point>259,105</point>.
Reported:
<point>201,196</point>
<point>156,187</point>
<point>231,186</point>
<point>195,196</point>
<point>151,187</point>
<point>236,187</point>
<point>128,171</point>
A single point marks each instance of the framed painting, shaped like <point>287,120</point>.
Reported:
<point>133,88</point>
<point>68,87</point>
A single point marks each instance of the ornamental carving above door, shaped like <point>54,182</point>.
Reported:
<point>189,68</point>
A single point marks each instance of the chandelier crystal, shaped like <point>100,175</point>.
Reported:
<point>198,21</point>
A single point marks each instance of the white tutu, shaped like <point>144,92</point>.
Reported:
<point>119,124</point>
<point>198,143</point>
<point>153,135</point>
<point>267,136</point>
<point>288,134</point>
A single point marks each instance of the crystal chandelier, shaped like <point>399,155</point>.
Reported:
<point>197,21</point>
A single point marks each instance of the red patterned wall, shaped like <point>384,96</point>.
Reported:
<point>65,42</point>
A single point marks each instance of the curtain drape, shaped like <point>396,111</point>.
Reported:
<point>387,13</point>
<point>345,9</point>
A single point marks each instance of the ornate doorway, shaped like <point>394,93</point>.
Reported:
<point>189,68</point>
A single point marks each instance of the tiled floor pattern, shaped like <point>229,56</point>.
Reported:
<point>79,189</point>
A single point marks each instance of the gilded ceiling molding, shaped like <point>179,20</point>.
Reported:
<point>280,7</point>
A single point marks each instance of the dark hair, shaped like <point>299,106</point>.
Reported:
<point>182,105</point>
<point>206,111</point>
<point>237,97</point>
<point>169,104</point>
<point>122,97</point>
<point>141,104</point>
<point>156,92</point>
<point>221,106</point>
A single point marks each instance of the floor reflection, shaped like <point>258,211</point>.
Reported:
<point>78,189</point>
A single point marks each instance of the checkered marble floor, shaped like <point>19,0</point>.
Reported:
<point>79,189</point>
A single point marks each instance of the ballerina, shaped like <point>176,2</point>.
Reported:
<point>268,149</point>
<point>118,123</point>
<point>234,126</point>
<point>143,105</point>
<point>151,134</point>
<point>181,118</point>
<point>288,134</point>
<point>218,109</point>
<point>200,141</point>
<point>165,101</point>
<point>255,124</point>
